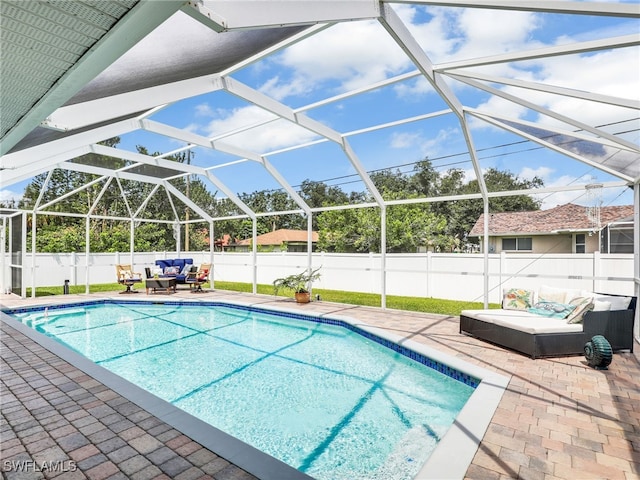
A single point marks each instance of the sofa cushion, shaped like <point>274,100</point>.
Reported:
<point>164,264</point>
<point>618,302</point>
<point>517,299</point>
<point>181,262</point>
<point>173,262</point>
<point>523,321</point>
<point>557,295</point>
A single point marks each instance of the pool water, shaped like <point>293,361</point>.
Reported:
<point>322,398</point>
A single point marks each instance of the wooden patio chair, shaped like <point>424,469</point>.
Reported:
<point>126,276</point>
<point>197,279</point>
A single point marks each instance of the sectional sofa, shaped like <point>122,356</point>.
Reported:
<point>553,322</point>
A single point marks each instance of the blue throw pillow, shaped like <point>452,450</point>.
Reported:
<point>552,309</point>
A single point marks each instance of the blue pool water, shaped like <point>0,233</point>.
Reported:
<point>333,402</point>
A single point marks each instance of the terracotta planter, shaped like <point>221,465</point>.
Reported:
<point>303,297</point>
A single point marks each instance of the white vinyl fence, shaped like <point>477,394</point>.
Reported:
<point>437,275</point>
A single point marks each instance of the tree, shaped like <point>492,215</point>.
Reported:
<point>319,194</point>
<point>440,226</point>
<point>273,201</point>
<point>60,233</point>
<point>336,232</point>
<point>409,227</point>
<point>425,180</point>
<point>389,183</point>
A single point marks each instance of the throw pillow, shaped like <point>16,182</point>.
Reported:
<point>583,305</point>
<point>617,302</point>
<point>517,299</point>
<point>552,309</point>
<point>186,269</point>
<point>171,270</point>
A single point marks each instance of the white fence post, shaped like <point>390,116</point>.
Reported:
<point>73,267</point>
<point>429,268</point>
<point>596,270</point>
<point>502,271</point>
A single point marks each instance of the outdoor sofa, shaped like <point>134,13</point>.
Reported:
<point>177,268</point>
<point>533,323</point>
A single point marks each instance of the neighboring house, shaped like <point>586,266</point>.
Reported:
<point>563,229</point>
<point>222,244</point>
<point>278,240</point>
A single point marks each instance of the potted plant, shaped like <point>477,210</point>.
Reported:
<point>299,283</point>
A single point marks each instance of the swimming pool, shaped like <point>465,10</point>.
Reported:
<point>329,398</point>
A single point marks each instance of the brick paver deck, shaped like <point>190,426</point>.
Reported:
<point>558,419</point>
<point>57,422</point>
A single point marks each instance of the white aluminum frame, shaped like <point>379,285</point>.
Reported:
<point>239,15</point>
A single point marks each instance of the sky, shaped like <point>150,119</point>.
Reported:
<point>352,55</point>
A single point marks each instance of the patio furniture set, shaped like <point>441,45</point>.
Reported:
<point>165,276</point>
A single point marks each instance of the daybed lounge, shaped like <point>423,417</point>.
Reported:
<point>554,322</point>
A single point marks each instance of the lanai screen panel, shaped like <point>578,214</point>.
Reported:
<point>187,47</point>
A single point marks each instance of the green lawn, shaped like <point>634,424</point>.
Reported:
<point>415,304</point>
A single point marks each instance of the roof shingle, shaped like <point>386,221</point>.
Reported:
<point>278,237</point>
<point>562,217</point>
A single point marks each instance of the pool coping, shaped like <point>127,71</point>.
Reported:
<point>463,437</point>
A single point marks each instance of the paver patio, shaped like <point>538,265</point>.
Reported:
<point>558,418</point>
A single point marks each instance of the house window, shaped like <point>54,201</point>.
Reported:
<point>581,243</point>
<point>520,243</point>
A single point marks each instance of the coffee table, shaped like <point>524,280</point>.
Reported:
<point>168,284</point>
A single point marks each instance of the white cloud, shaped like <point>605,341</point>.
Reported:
<point>229,120</point>
<point>472,33</point>
<point>203,110</point>
<point>8,195</point>
<point>353,54</point>
<point>344,57</point>
<point>426,146</point>
<point>483,37</point>
<point>413,89</point>
<point>436,145</point>
<point>551,179</point>
<point>280,90</point>
<point>614,73</point>
<point>273,135</point>
<point>438,36</point>
<point>528,173</point>
<point>405,139</point>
